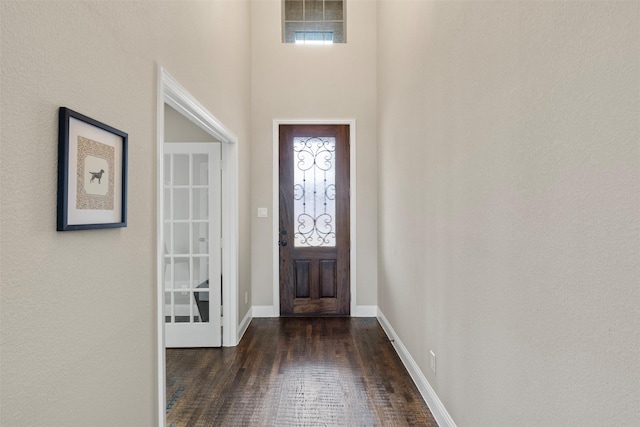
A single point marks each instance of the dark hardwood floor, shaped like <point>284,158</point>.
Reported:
<point>295,372</point>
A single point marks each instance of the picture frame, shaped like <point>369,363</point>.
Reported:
<point>92,173</point>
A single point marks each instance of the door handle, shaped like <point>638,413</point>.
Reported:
<point>281,240</point>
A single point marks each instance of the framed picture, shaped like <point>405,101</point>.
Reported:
<point>92,173</point>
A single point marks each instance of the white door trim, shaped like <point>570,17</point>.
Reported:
<point>174,94</point>
<point>276,204</point>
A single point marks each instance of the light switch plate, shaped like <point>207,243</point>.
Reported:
<point>262,212</point>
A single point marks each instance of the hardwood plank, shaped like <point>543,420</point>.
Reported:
<point>295,372</point>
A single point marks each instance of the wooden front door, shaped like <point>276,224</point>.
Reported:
<point>314,220</point>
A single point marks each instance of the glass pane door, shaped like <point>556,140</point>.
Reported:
<point>191,218</point>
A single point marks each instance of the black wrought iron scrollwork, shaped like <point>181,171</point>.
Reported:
<point>314,191</point>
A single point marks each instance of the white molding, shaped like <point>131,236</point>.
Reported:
<point>353,267</point>
<point>181,100</point>
<point>275,217</point>
<point>175,95</point>
<point>352,204</point>
<point>242,328</point>
<point>430,397</point>
<point>161,375</point>
<point>264,311</point>
<point>365,311</point>
<point>230,238</point>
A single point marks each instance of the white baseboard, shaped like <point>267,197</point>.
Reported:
<point>244,324</point>
<point>264,311</point>
<point>365,311</point>
<point>428,394</point>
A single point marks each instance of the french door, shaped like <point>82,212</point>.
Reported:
<point>192,236</point>
<point>314,220</point>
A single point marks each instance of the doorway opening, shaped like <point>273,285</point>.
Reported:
<point>172,94</point>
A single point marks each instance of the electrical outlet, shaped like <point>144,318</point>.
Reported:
<point>246,297</point>
<point>432,361</point>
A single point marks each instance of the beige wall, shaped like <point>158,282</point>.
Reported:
<point>313,82</point>
<point>78,335</point>
<point>506,186</point>
<point>510,205</point>
<point>177,128</point>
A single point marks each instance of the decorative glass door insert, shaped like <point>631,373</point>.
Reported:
<point>314,191</point>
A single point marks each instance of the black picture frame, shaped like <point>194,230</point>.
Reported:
<point>92,173</point>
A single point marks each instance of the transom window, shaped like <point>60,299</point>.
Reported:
<point>313,21</point>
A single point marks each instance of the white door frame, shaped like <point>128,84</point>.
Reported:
<point>276,205</point>
<point>175,95</point>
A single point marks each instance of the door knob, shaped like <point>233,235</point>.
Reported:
<point>282,242</point>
